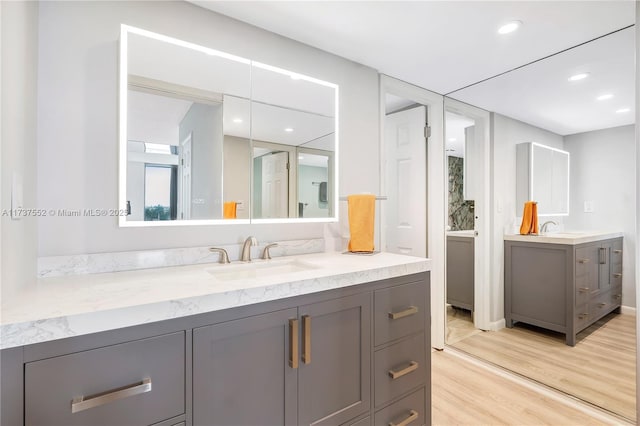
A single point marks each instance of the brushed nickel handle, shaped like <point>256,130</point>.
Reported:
<point>583,289</point>
<point>583,260</point>
<point>413,415</point>
<point>617,251</point>
<point>583,316</point>
<point>601,305</point>
<point>80,403</point>
<point>618,296</point>
<point>603,255</point>
<point>617,275</point>
<point>411,310</point>
<point>394,374</point>
<point>306,339</point>
<point>293,343</point>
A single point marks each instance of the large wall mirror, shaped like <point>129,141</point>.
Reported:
<point>207,137</point>
<point>577,103</point>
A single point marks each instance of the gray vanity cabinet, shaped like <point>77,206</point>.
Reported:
<point>460,271</point>
<point>241,372</point>
<point>563,288</point>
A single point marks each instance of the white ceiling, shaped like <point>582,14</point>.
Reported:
<point>454,133</point>
<point>446,45</point>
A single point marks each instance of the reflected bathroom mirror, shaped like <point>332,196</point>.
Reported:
<point>191,137</point>
<point>591,118</point>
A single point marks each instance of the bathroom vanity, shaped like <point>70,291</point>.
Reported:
<point>325,339</point>
<point>460,268</point>
<point>562,282</point>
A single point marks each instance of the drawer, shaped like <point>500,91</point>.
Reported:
<point>581,316</point>
<point>363,422</point>
<point>410,410</point>
<point>582,291</point>
<point>399,311</point>
<point>134,383</point>
<point>399,368</point>
<point>601,305</point>
<point>616,275</point>
<point>616,252</point>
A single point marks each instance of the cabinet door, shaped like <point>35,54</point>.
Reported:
<point>335,375</point>
<point>241,374</point>
<point>588,269</point>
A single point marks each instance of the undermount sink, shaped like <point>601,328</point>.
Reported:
<point>259,269</point>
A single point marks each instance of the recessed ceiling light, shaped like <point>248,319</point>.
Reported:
<point>580,76</point>
<point>237,120</point>
<point>623,110</point>
<point>509,27</point>
<point>288,129</point>
<point>452,139</point>
<point>604,97</point>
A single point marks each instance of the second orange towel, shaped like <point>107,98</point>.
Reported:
<point>529,219</point>
<point>229,210</point>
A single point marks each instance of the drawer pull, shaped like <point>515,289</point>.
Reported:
<point>80,404</point>
<point>601,305</point>
<point>411,310</point>
<point>617,275</point>
<point>617,251</point>
<point>306,339</point>
<point>413,415</point>
<point>293,343</point>
<point>413,366</point>
<point>583,289</point>
<point>618,296</point>
<point>603,256</point>
<point>583,316</point>
<point>583,260</point>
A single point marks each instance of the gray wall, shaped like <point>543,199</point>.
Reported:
<point>78,154</point>
<point>308,192</point>
<point>506,134</point>
<point>204,122</point>
<point>603,171</point>
<point>19,36</point>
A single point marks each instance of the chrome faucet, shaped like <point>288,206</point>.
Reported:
<point>223,257</point>
<point>246,248</point>
<point>545,225</point>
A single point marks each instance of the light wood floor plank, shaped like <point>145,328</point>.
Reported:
<point>600,369</point>
<point>466,394</point>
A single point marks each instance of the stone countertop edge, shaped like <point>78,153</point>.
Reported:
<point>32,317</point>
<point>566,238</point>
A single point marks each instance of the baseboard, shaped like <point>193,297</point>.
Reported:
<point>497,325</point>
<point>628,310</point>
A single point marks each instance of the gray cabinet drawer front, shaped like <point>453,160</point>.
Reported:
<point>408,298</point>
<point>603,304</point>
<point>413,406</point>
<point>581,317</point>
<point>52,384</point>
<point>405,356</point>
<point>616,252</point>
<point>363,422</point>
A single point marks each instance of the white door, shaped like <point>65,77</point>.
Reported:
<point>406,158</point>
<point>275,185</point>
<point>184,192</point>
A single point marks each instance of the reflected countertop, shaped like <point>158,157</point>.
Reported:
<point>565,237</point>
<point>463,233</point>
<point>59,307</point>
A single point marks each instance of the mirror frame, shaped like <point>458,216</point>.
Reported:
<point>125,30</point>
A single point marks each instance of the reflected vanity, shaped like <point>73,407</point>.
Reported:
<point>222,139</point>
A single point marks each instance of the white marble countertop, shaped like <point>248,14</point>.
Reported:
<point>565,237</point>
<point>60,307</point>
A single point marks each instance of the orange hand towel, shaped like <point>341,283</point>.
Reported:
<point>229,210</point>
<point>529,218</point>
<point>362,211</point>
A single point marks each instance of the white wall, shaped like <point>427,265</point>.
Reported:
<point>603,171</point>
<point>506,133</point>
<point>237,174</point>
<point>308,192</point>
<point>18,88</point>
<point>77,144</point>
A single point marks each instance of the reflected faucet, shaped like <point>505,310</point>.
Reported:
<point>545,225</point>
<point>246,249</point>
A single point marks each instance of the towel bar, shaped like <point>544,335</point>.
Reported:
<point>378,197</point>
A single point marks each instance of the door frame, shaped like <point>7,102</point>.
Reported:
<point>436,193</point>
<point>482,290</point>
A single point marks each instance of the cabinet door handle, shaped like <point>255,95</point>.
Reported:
<point>80,403</point>
<point>617,275</point>
<point>617,251</point>
<point>413,415</point>
<point>293,343</point>
<point>411,310</point>
<point>394,374</point>
<point>618,296</point>
<point>583,316</point>
<point>603,255</point>
<point>583,289</point>
<point>601,305</point>
<point>306,339</point>
<point>583,260</point>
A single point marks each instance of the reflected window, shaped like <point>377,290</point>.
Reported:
<point>160,197</point>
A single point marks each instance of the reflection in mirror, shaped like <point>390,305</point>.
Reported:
<point>182,128</point>
<point>591,119</point>
<point>293,129</point>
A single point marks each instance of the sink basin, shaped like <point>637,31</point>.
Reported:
<point>259,269</point>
